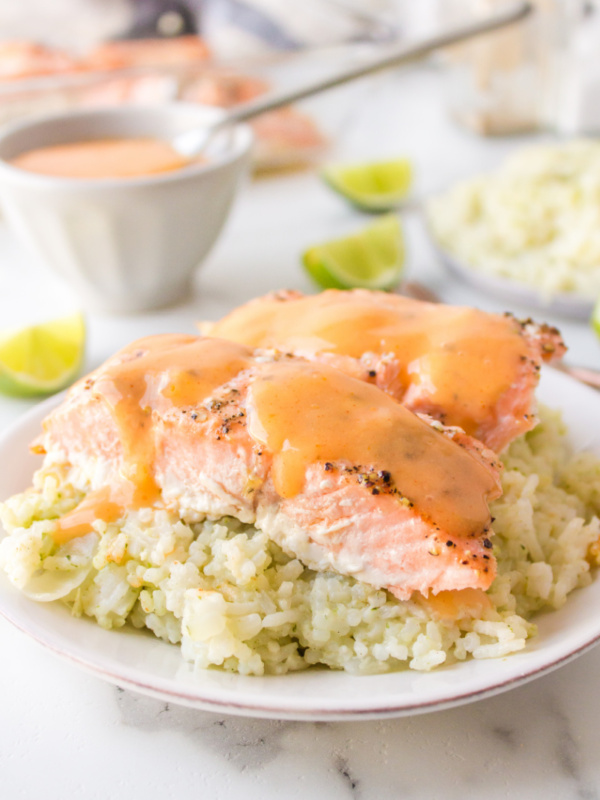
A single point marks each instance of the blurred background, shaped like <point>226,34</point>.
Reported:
<point>456,113</point>
<point>544,73</point>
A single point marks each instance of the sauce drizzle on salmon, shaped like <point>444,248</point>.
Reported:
<point>152,375</point>
<point>463,366</point>
<point>313,413</point>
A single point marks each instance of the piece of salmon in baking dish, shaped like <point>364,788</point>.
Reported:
<point>332,468</point>
<point>460,365</point>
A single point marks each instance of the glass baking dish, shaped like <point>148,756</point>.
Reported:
<point>42,78</point>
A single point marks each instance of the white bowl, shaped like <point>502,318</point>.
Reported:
<point>128,244</point>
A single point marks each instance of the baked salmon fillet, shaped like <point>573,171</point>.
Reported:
<point>330,467</point>
<point>460,365</point>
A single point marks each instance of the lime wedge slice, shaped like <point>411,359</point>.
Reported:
<point>595,318</point>
<point>42,359</point>
<point>380,186</point>
<point>370,259</point>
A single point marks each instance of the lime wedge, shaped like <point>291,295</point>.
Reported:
<point>595,318</point>
<point>42,359</point>
<point>380,186</point>
<point>370,259</point>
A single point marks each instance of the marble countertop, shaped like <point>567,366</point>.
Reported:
<point>66,734</point>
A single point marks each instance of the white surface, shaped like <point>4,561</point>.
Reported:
<point>140,662</point>
<point>65,734</point>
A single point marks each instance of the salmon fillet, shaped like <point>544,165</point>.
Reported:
<point>285,134</point>
<point>224,88</point>
<point>330,467</point>
<point>462,366</point>
<point>23,59</point>
<point>156,52</point>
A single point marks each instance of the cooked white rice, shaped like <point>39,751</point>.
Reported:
<point>536,220</point>
<point>234,599</point>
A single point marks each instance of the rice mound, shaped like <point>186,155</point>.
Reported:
<point>533,221</point>
<point>234,599</point>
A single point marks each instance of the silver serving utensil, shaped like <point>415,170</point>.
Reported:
<point>591,377</point>
<point>197,141</point>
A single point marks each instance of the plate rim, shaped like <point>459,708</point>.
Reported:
<point>297,713</point>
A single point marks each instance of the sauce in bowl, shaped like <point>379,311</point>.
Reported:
<point>103,158</point>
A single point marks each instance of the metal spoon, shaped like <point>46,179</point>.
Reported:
<point>591,377</point>
<point>195,142</point>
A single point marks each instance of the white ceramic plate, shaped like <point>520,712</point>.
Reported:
<point>567,305</point>
<point>132,659</point>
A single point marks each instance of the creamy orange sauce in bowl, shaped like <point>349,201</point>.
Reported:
<point>105,200</point>
<point>104,158</point>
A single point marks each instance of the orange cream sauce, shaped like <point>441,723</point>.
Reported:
<point>153,375</point>
<point>307,413</point>
<point>103,158</point>
<point>466,358</point>
<point>457,603</point>
<point>97,505</point>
